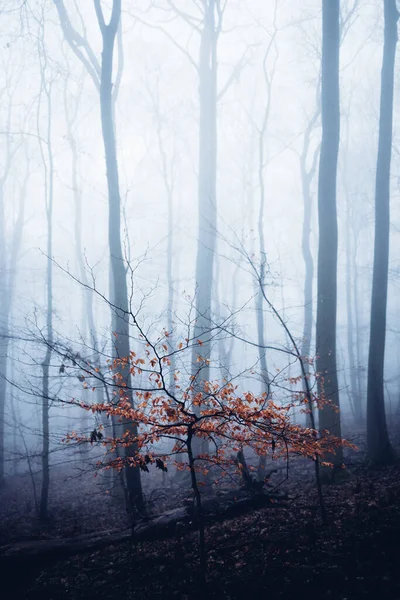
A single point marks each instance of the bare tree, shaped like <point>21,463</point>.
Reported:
<point>268,76</point>
<point>46,151</point>
<point>102,75</point>
<point>167,168</point>
<point>71,107</point>
<point>353,332</point>
<point>379,448</point>
<point>307,173</point>
<point>207,24</point>
<point>8,269</point>
<point>329,418</point>
<point>207,181</point>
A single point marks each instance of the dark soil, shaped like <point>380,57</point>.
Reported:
<point>271,553</point>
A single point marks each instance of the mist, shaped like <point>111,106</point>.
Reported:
<point>199,271</point>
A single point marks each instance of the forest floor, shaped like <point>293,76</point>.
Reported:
<point>274,553</point>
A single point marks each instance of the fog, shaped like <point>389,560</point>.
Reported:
<point>183,204</point>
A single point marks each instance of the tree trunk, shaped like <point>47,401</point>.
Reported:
<point>265,380</point>
<point>168,180</point>
<point>379,447</point>
<point>225,345</point>
<point>3,390</point>
<point>44,494</point>
<point>309,273</point>
<point>307,175</point>
<point>118,292</point>
<point>87,294</point>
<point>351,332</point>
<point>8,267</point>
<point>260,321</point>
<point>4,297</point>
<point>207,209</point>
<point>170,302</point>
<point>357,312</point>
<point>87,318</point>
<point>49,189</point>
<point>121,308</point>
<point>328,390</point>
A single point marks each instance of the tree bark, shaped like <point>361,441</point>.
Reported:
<point>260,319</point>
<point>351,331</point>
<point>102,78</point>
<point>329,418</point>
<point>207,197</point>
<point>8,267</point>
<point>87,317</point>
<point>121,311</point>
<point>307,175</point>
<point>5,309</point>
<point>379,448</point>
<point>168,179</point>
<point>309,266</point>
<point>357,312</point>
<point>354,394</point>
<point>49,194</point>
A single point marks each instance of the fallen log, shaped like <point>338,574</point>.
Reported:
<point>160,527</point>
<point>34,551</point>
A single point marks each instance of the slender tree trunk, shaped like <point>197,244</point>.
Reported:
<point>168,179</point>
<point>198,505</point>
<point>207,197</point>
<point>87,294</point>
<point>169,189</point>
<point>357,312</point>
<point>16,420</point>
<point>4,297</point>
<point>87,317</point>
<point>265,381</point>
<point>120,318</point>
<point>222,348</point>
<point>351,331</point>
<point>259,298</point>
<point>307,175</point>
<point>3,391</point>
<point>118,294</point>
<point>329,419</point>
<point>225,346</point>
<point>49,189</point>
<point>309,270</point>
<point>379,447</point>
<point>170,302</point>
<point>260,225</point>
<point>44,495</point>
<point>260,318</point>
<point>8,268</point>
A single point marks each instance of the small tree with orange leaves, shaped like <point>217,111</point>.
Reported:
<point>229,418</point>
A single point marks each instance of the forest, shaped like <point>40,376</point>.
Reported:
<point>199,332</point>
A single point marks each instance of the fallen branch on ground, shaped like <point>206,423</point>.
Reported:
<point>230,505</point>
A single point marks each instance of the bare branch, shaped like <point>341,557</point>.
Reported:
<point>170,37</point>
<point>189,19</point>
<point>100,16</point>
<point>76,42</point>
<point>237,69</point>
